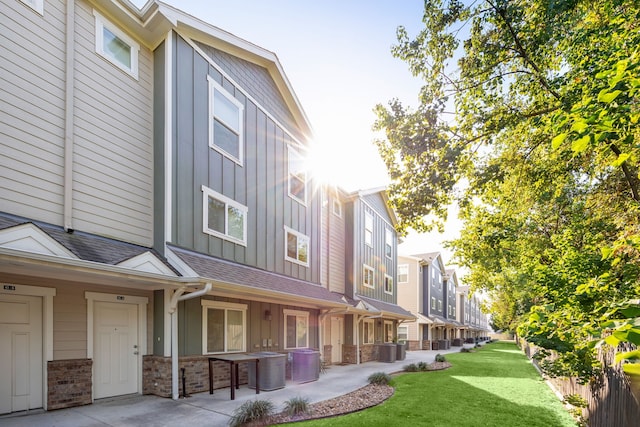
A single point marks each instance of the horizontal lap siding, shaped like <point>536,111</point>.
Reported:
<point>32,110</point>
<point>113,164</point>
<point>260,183</point>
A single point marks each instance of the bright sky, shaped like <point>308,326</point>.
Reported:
<point>336,54</point>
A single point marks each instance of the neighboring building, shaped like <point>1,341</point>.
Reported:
<point>362,243</point>
<point>432,294</point>
<point>154,210</point>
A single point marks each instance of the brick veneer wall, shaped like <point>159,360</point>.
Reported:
<point>368,353</point>
<point>426,345</point>
<point>413,345</point>
<point>68,383</point>
<point>327,358</point>
<point>157,375</point>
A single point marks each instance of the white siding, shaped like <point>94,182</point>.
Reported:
<point>113,169</point>
<point>32,110</point>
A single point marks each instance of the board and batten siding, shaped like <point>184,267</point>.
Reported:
<point>333,243</point>
<point>374,256</point>
<point>113,129</point>
<point>260,183</point>
<point>32,52</point>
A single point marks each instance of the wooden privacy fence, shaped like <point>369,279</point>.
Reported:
<point>611,402</point>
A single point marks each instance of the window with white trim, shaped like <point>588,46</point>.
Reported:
<point>223,327</point>
<point>368,276</point>
<point>403,333</point>
<point>368,333</point>
<point>368,229</point>
<point>223,217</point>
<point>439,305</point>
<point>296,329</point>
<point>388,331</point>
<point>116,46</point>
<point>433,303</point>
<point>297,247</point>
<point>403,273</point>
<point>37,5</point>
<point>388,284</point>
<point>297,176</point>
<point>388,242</point>
<point>226,122</point>
<point>337,208</point>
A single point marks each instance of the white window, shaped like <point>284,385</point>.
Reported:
<point>115,46</point>
<point>223,327</point>
<point>297,247</point>
<point>37,5</point>
<point>223,217</point>
<point>368,229</point>
<point>226,122</point>
<point>388,284</point>
<point>439,305</point>
<point>403,273</point>
<point>403,333</point>
<point>368,334</point>
<point>368,276</point>
<point>388,242</point>
<point>448,310</point>
<point>337,208</point>
<point>388,331</point>
<point>297,176</point>
<point>433,303</point>
<point>296,329</point>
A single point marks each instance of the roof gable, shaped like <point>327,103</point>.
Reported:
<point>29,238</point>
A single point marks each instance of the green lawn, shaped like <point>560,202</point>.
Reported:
<point>493,386</point>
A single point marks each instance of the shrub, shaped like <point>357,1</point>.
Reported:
<point>411,368</point>
<point>380,378</point>
<point>296,405</point>
<point>465,350</point>
<point>440,358</point>
<point>423,366</point>
<point>251,411</point>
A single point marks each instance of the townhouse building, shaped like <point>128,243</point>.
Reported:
<point>155,210</point>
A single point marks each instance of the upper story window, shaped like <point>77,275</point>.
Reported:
<point>297,247</point>
<point>368,276</point>
<point>115,46</point>
<point>388,284</point>
<point>368,228</point>
<point>37,5</point>
<point>297,176</point>
<point>226,116</point>
<point>368,334</point>
<point>433,303</point>
<point>223,217</point>
<point>296,324</point>
<point>403,273</point>
<point>337,208</point>
<point>223,327</point>
<point>388,242</point>
<point>439,305</point>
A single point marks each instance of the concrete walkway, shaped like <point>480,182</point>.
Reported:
<point>203,409</point>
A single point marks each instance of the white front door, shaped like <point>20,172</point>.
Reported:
<point>337,333</point>
<point>115,355</point>
<point>20,353</point>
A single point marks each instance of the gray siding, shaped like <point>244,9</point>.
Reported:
<point>333,242</point>
<point>260,183</point>
<point>32,110</point>
<point>258,84</point>
<point>158,149</point>
<point>113,169</point>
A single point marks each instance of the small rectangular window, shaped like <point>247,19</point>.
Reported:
<point>368,334</point>
<point>297,247</point>
<point>296,326</point>
<point>403,273</point>
<point>388,284</point>
<point>433,303</point>
<point>367,276</point>
<point>226,123</point>
<point>37,5</point>
<point>368,229</point>
<point>388,243</point>
<point>223,327</point>
<point>439,305</point>
<point>337,208</point>
<point>224,217</point>
<point>116,46</point>
<point>297,176</point>
<point>403,333</point>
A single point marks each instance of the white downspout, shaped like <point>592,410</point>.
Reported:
<point>173,310</point>
<point>68,117</point>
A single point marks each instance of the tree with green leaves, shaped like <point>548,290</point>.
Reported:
<point>528,119</point>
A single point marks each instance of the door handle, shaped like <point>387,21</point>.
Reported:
<point>135,352</point>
